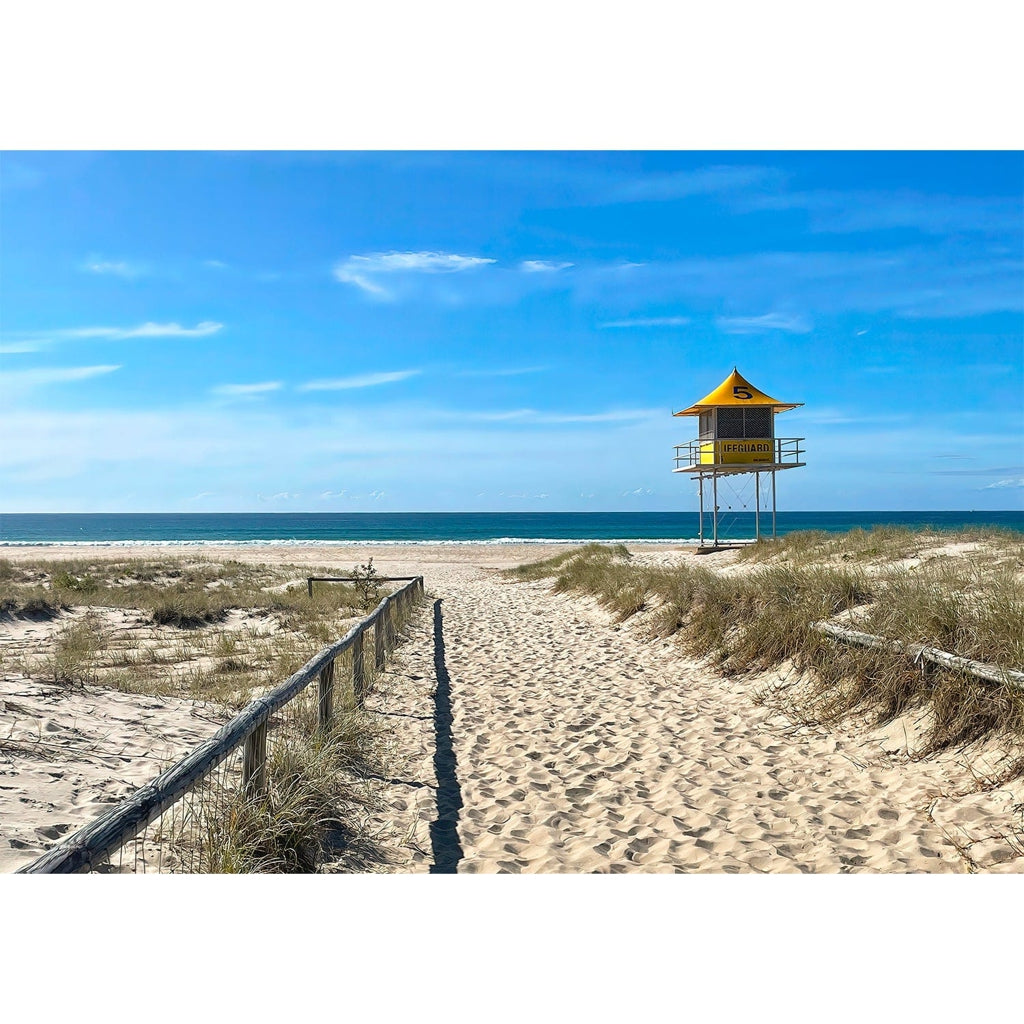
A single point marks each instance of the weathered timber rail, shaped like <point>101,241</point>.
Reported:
<point>979,669</point>
<point>91,844</point>
<point>310,580</point>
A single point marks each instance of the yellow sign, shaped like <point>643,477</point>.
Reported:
<point>738,451</point>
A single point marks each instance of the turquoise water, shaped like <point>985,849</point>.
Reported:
<point>452,527</point>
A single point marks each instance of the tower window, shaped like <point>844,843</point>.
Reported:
<point>756,422</point>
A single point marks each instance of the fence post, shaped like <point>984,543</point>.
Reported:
<point>254,761</point>
<point>326,702</point>
<point>378,640</point>
<point>389,626</point>
<point>358,669</point>
<point>309,585</point>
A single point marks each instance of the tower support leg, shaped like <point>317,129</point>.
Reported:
<point>700,525</point>
<point>773,504</point>
<point>714,514</point>
<point>757,506</point>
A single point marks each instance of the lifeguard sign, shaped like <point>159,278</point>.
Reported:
<point>737,435</point>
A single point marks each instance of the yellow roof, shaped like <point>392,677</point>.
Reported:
<point>735,390</point>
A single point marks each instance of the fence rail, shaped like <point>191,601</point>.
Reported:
<point>310,580</point>
<point>95,842</point>
<point>979,669</point>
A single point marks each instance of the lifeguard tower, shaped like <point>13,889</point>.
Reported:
<point>737,435</point>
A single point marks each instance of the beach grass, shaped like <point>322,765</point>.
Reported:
<point>306,815</point>
<point>962,593</point>
<point>180,626</point>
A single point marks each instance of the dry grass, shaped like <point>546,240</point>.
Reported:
<point>305,815</point>
<point>176,627</point>
<point>891,582</point>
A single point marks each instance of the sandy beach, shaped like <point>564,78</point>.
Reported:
<point>532,734</point>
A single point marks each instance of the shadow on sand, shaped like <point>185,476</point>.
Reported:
<point>444,836</point>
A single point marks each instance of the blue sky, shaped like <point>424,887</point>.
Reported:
<point>443,331</point>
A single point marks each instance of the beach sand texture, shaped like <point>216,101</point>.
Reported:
<point>531,734</point>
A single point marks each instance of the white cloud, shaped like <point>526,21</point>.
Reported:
<point>550,418</point>
<point>615,416</point>
<point>146,330</point>
<point>1012,482</point>
<point>793,323</point>
<point>543,266</point>
<point>511,372</point>
<point>425,262</point>
<point>215,264</point>
<point>41,376</point>
<point>241,390</point>
<point>18,348</point>
<point>118,268</point>
<point>700,181</point>
<point>366,380</point>
<point>361,270</point>
<point>171,330</point>
<point>653,321</point>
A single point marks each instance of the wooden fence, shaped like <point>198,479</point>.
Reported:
<point>95,842</point>
<point>979,669</point>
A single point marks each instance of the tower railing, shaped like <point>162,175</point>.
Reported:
<point>707,454</point>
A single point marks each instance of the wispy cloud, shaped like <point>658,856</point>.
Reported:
<point>149,329</point>
<point>989,471</point>
<point>18,348</point>
<point>913,282</point>
<point>280,496</point>
<point>365,380</point>
<point>650,321</point>
<point>854,211</point>
<point>41,376</point>
<point>509,372</point>
<point>533,416</point>
<point>244,390</point>
<point>1017,481</point>
<point>215,264</point>
<point>116,268</point>
<point>700,181</point>
<point>543,266</point>
<point>363,271</point>
<point>613,416</point>
<point>791,323</point>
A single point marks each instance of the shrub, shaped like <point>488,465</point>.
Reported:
<point>367,584</point>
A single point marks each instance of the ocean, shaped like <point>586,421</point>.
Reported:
<point>309,528</point>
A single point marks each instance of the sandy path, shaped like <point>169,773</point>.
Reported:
<point>579,748</point>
